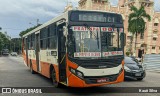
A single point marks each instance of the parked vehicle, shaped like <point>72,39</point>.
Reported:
<point>5,52</point>
<point>14,53</point>
<point>133,70</point>
<point>137,59</point>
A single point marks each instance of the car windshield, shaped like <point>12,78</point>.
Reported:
<point>94,42</point>
<point>129,60</point>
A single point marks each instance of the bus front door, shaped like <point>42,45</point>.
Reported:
<point>62,54</point>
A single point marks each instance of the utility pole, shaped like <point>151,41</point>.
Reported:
<point>37,21</point>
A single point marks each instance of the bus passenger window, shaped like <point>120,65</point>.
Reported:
<point>44,44</point>
<point>43,38</point>
<point>33,41</point>
<point>29,42</point>
<point>52,42</point>
<point>52,37</point>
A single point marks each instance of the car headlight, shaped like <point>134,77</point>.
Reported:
<point>127,69</point>
<point>76,72</point>
<point>142,67</point>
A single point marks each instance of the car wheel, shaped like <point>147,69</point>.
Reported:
<point>139,79</point>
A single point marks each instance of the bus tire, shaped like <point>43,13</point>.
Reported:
<point>31,68</point>
<point>53,78</point>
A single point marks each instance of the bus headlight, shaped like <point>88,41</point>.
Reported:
<point>73,71</point>
<point>76,72</point>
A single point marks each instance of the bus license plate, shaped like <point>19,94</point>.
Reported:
<point>102,80</point>
<point>138,74</point>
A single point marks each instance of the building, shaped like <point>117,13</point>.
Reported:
<point>149,42</point>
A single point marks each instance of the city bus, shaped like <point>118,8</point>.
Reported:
<point>79,48</point>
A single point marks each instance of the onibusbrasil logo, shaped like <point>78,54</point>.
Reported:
<point>21,90</point>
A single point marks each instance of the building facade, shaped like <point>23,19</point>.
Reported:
<point>149,42</point>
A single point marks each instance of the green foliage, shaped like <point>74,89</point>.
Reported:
<point>127,53</point>
<point>4,41</point>
<point>28,30</point>
<point>136,21</point>
<point>16,44</point>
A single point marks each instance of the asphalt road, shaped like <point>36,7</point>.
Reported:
<point>13,73</point>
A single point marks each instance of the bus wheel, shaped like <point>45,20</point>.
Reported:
<point>31,68</point>
<point>55,83</point>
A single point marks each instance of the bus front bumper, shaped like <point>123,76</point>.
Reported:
<point>74,81</point>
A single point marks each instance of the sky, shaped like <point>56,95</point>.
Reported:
<point>18,15</point>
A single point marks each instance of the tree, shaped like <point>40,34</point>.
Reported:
<point>136,21</point>
<point>16,44</point>
<point>4,41</point>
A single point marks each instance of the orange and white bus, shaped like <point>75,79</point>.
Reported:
<point>78,49</point>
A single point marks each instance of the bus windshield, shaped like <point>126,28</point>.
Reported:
<point>95,42</point>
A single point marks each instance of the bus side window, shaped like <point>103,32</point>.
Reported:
<point>33,41</point>
<point>43,38</point>
<point>52,37</point>
<point>29,42</point>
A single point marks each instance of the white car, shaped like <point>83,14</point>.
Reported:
<point>14,54</point>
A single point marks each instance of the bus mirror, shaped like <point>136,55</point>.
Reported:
<point>68,26</point>
<point>65,32</point>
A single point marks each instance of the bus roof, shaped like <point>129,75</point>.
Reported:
<point>46,24</point>
<point>63,16</point>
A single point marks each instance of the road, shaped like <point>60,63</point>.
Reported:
<point>13,73</point>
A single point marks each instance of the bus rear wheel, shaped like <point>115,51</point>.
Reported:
<point>55,82</point>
